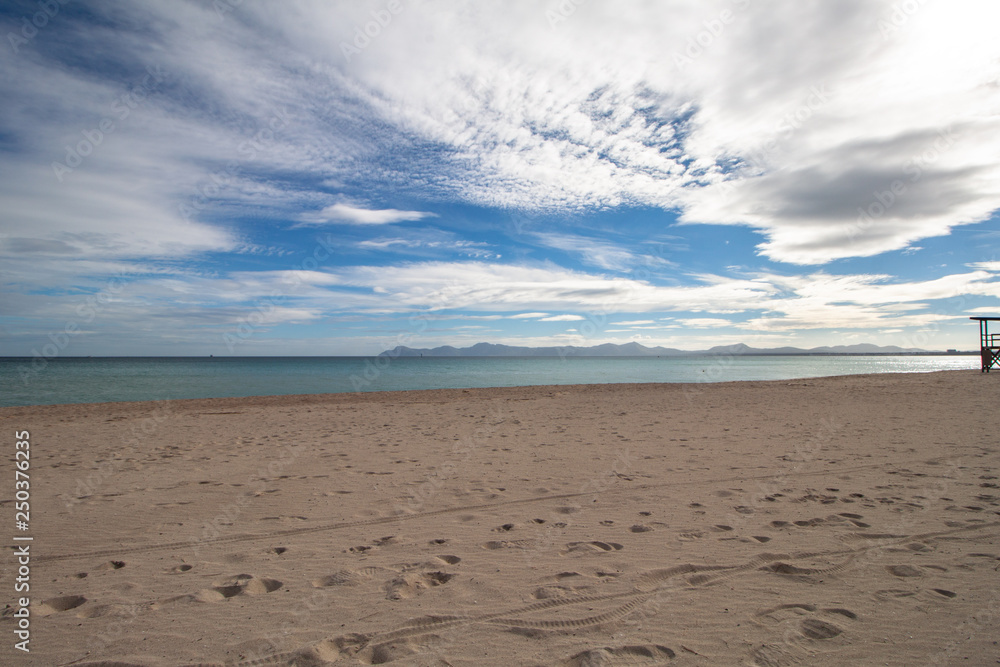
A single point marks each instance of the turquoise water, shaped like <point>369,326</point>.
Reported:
<point>95,380</point>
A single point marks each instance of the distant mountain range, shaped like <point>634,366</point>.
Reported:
<point>637,350</point>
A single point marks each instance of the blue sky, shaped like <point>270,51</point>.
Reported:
<point>331,178</point>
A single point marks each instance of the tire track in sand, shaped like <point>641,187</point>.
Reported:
<point>649,584</point>
<point>340,525</point>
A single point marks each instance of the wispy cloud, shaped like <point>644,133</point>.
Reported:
<point>563,318</point>
<point>599,253</point>
<point>429,242</point>
<point>352,215</point>
<point>704,322</point>
<point>993,266</point>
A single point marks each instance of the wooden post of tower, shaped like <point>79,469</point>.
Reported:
<point>989,344</point>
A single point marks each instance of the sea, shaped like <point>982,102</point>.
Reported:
<point>26,381</point>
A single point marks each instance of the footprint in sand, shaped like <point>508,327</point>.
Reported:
<point>381,654</point>
<point>615,656</point>
<point>554,591</point>
<point>984,555</point>
<point>56,605</point>
<point>575,547</point>
<point>787,568</point>
<point>352,577</point>
<point>855,519</point>
<point>493,545</point>
<point>903,571</point>
<point>111,565</point>
<point>886,594</point>
<point>380,542</point>
<point>565,583</point>
<point>241,584</point>
<point>410,585</point>
<point>819,521</point>
<point>101,610</point>
<point>925,595</point>
<point>945,593</point>
<point>807,622</point>
<point>339,578</point>
<point>774,655</point>
<point>808,523</point>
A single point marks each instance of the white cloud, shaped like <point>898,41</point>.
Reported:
<point>484,286</point>
<point>430,242</point>
<point>822,301</point>
<point>705,322</point>
<point>563,318</point>
<point>986,266</point>
<point>599,253</point>
<point>98,214</point>
<point>352,215</point>
<point>190,305</point>
<point>788,121</point>
<point>451,289</point>
<point>878,289</point>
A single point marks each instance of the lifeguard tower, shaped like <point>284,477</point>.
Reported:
<point>989,344</point>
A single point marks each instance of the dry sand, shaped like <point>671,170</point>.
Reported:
<point>837,521</point>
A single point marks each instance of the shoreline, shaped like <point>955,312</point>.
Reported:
<point>136,380</point>
<point>387,353</point>
<point>836,520</point>
<point>376,395</point>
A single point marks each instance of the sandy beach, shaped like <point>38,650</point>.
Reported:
<point>837,521</point>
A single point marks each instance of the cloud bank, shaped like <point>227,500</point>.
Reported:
<point>199,149</point>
